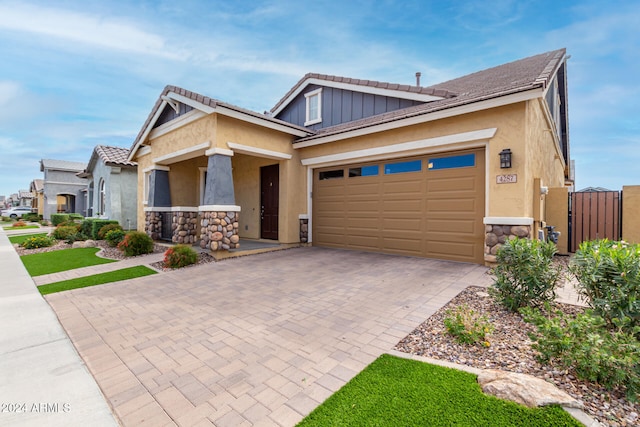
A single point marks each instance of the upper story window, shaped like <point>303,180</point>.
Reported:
<point>314,107</point>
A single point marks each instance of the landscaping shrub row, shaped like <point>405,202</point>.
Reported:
<point>600,345</point>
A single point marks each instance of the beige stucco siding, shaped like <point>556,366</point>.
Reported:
<point>184,182</point>
<point>194,133</point>
<point>246,181</point>
<point>505,200</point>
<point>630,209</point>
<point>240,132</point>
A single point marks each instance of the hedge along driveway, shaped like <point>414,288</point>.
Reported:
<point>62,260</point>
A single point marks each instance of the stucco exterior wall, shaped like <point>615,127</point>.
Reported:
<point>246,180</point>
<point>505,200</point>
<point>194,133</point>
<point>557,214</point>
<point>630,217</point>
<point>120,194</point>
<point>184,181</point>
<point>61,183</point>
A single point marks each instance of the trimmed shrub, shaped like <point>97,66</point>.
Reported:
<point>97,224</point>
<point>63,232</point>
<point>180,256</point>
<point>610,358</point>
<point>37,242</point>
<point>56,219</point>
<point>467,326</point>
<point>77,237</point>
<point>136,243</point>
<point>104,230</point>
<point>69,223</point>
<point>75,216</point>
<point>87,225</point>
<point>31,217</point>
<point>113,237</point>
<point>609,276</point>
<point>525,274</point>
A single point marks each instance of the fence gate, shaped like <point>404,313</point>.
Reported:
<point>594,215</point>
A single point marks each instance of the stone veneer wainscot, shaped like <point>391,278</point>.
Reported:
<point>219,230</point>
<point>496,235</point>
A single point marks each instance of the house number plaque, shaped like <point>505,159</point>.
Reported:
<point>507,179</point>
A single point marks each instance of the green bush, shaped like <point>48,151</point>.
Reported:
<point>525,274</point>
<point>97,224</point>
<point>63,232</point>
<point>56,219</point>
<point>86,226</point>
<point>31,217</point>
<point>467,326</point>
<point>76,216</point>
<point>136,243</point>
<point>37,242</point>
<point>180,256</point>
<point>113,237</point>
<point>77,237</point>
<point>609,276</point>
<point>69,223</point>
<point>610,358</point>
<point>104,230</point>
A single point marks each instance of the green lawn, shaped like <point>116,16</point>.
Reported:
<point>400,392</point>
<point>96,279</point>
<point>21,238</point>
<point>9,228</point>
<point>62,260</point>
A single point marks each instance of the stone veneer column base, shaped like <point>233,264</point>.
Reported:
<point>184,227</point>
<point>153,224</point>
<point>304,230</point>
<point>219,230</point>
<point>496,235</point>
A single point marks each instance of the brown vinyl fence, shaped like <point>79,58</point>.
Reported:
<point>594,215</point>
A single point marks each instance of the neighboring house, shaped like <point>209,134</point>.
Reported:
<point>25,198</point>
<point>13,200</point>
<point>3,202</point>
<point>37,188</point>
<point>111,191</point>
<point>447,171</point>
<point>62,189</point>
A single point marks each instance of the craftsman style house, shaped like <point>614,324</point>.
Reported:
<point>447,171</point>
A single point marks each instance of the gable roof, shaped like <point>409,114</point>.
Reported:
<point>111,156</point>
<point>523,75</point>
<point>62,165</point>
<point>209,105</point>
<point>418,93</point>
<point>37,185</point>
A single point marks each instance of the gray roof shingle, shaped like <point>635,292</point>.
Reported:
<point>64,165</point>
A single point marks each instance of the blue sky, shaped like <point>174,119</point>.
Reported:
<point>75,74</point>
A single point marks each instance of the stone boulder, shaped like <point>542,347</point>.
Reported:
<point>90,244</point>
<point>524,389</point>
<point>78,244</point>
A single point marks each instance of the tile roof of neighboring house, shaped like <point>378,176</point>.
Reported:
<point>593,189</point>
<point>37,184</point>
<point>25,194</point>
<point>64,165</point>
<point>114,155</point>
<point>518,76</point>
<point>210,102</point>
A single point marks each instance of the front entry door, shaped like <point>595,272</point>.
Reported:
<point>269,198</point>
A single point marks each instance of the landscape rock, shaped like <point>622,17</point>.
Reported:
<point>76,245</point>
<point>524,389</point>
<point>90,243</point>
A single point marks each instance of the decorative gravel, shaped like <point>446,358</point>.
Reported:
<point>510,350</point>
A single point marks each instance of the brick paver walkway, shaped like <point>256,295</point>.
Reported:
<point>259,340</point>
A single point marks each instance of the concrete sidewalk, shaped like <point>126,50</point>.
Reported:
<point>44,380</point>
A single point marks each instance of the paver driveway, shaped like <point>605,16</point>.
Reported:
<point>258,340</point>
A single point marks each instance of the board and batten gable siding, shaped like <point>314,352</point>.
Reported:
<point>341,106</point>
<point>169,114</point>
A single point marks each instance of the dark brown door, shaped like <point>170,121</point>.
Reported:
<point>269,197</point>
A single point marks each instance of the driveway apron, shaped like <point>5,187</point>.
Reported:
<point>257,340</point>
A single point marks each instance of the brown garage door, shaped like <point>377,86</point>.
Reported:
<point>429,206</point>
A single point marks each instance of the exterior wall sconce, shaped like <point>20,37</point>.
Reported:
<point>505,159</point>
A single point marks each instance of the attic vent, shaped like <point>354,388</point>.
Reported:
<point>418,75</point>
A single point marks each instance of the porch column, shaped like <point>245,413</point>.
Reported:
<point>158,200</point>
<point>219,213</point>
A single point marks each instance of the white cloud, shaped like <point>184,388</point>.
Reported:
<point>83,28</point>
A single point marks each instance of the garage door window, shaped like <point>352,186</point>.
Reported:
<point>363,171</point>
<point>334,174</point>
<point>451,162</point>
<point>403,167</point>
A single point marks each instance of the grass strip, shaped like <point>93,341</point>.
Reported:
<point>97,279</point>
<point>400,392</point>
<point>21,238</point>
<point>62,260</point>
<point>20,228</point>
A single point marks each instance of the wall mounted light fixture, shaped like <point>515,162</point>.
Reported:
<point>505,158</point>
